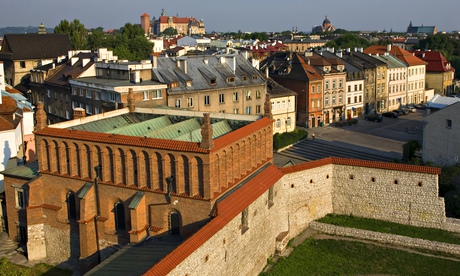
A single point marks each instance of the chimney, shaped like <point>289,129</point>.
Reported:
<point>388,48</point>
<point>131,100</point>
<point>268,107</point>
<point>154,60</point>
<point>206,133</point>
<point>40,117</point>
<point>78,113</point>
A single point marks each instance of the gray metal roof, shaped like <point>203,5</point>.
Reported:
<point>204,68</point>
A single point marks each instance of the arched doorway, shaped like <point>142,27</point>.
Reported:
<point>174,223</point>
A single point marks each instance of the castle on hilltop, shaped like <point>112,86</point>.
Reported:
<point>183,25</point>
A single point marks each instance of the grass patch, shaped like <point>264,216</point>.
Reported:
<point>10,269</point>
<point>340,257</point>
<point>392,228</point>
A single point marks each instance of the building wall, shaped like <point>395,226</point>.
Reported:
<point>67,166</point>
<point>402,197</point>
<point>416,84</point>
<point>440,81</point>
<point>300,198</point>
<point>284,115</point>
<point>296,202</point>
<point>229,104</point>
<point>441,143</point>
<point>354,99</point>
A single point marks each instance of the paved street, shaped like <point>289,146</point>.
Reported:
<point>365,140</point>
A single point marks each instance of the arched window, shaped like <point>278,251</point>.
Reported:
<point>119,216</point>
<point>174,223</point>
<point>71,206</point>
<point>278,123</point>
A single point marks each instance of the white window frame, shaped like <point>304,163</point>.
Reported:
<point>146,95</point>
<point>207,100</point>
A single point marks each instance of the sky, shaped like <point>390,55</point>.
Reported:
<point>239,15</point>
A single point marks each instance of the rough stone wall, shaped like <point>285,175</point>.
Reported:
<point>298,199</point>
<point>57,243</point>
<point>386,238</point>
<point>402,197</point>
<point>302,197</point>
<point>36,249</point>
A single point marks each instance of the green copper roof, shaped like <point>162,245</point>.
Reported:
<point>136,199</point>
<point>218,129</point>
<point>27,171</point>
<point>171,132</point>
<point>140,129</point>
<point>108,124</point>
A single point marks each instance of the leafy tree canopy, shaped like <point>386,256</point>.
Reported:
<point>76,31</point>
<point>348,40</point>
<point>169,31</point>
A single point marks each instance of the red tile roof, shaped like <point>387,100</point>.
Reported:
<point>240,133</point>
<point>401,54</point>
<point>227,209</point>
<point>436,61</point>
<point>362,163</point>
<point>177,20</point>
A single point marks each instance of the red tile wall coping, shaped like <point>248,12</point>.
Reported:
<point>362,163</point>
<point>45,206</point>
<point>121,139</point>
<point>240,133</point>
<point>227,210</point>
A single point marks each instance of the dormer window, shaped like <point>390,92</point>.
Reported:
<point>174,84</point>
<point>254,77</point>
<point>213,82</point>
<point>327,69</point>
<point>189,83</point>
<point>231,79</point>
<point>245,78</point>
<point>248,95</point>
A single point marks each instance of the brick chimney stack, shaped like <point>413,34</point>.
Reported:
<point>131,100</point>
<point>206,133</point>
<point>79,113</point>
<point>40,117</point>
<point>268,107</point>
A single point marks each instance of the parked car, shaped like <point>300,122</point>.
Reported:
<point>401,111</point>
<point>374,117</point>
<point>419,106</point>
<point>411,108</point>
<point>390,114</point>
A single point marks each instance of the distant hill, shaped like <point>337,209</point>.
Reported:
<point>22,30</point>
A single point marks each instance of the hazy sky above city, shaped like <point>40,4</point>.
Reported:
<point>244,15</point>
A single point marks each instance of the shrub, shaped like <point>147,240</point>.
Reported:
<point>288,138</point>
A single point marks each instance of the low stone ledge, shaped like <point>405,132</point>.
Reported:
<point>386,238</point>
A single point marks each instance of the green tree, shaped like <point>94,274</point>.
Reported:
<point>447,45</point>
<point>348,40</point>
<point>76,31</point>
<point>169,31</point>
<point>409,150</point>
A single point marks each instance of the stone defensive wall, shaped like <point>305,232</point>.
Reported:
<point>233,244</point>
<point>386,238</point>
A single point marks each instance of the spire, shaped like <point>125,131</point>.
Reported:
<point>206,133</point>
<point>41,29</point>
<point>268,107</point>
<point>131,100</point>
<point>163,13</point>
<point>40,117</point>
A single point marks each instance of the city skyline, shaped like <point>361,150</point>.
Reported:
<point>253,16</point>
